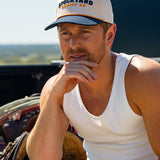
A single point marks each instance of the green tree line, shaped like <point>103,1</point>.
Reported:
<point>29,54</point>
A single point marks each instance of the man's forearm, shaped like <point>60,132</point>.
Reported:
<point>45,140</point>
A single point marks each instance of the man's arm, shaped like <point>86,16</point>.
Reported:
<point>146,94</point>
<point>46,139</point>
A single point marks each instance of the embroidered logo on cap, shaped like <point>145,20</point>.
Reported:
<point>81,3</point>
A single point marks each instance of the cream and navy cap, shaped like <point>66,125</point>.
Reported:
<point>83,12</point>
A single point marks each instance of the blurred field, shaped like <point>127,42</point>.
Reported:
<point>29,54</point>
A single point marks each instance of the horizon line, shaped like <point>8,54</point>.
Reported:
<point>29,43</point>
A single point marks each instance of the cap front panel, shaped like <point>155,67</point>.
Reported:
<point>99,9</point>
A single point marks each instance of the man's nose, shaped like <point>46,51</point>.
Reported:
<point>75,42</point>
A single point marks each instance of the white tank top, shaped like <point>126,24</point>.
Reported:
<point>118,133</point>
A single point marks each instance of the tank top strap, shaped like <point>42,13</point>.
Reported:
<point>122,63</point>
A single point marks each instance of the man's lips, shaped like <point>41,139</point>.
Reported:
<point>77,57</point>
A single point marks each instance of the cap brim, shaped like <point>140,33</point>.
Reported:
<point>76,19</point>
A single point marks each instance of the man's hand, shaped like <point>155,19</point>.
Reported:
<point>71,74</point>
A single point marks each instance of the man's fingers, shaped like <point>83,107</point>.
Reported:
<point>82,70</point>
<point>83,62</point>
<point>87,72</point>
<point>79,77</point>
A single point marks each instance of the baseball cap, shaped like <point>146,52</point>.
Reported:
<point>83,12</point>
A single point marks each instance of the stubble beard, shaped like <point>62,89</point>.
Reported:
<point>96,58</point>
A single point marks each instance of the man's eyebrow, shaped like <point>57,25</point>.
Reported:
<point>80,27</point>
<point>87,27</point>
<point>61,28</point>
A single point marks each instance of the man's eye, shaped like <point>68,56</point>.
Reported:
<point>85,32</point>
<point>65,35</point>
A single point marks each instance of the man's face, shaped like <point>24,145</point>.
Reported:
<point>79,42</point>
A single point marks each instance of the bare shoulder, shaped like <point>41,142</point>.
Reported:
<point>143,71</point>
<point>143,67</point>
<point>143,80</point>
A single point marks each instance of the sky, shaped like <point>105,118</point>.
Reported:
<point>23,21</point>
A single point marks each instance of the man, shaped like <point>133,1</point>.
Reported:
<point>111,99</point>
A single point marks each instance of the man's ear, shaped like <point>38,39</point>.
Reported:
<point>110,35</point>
